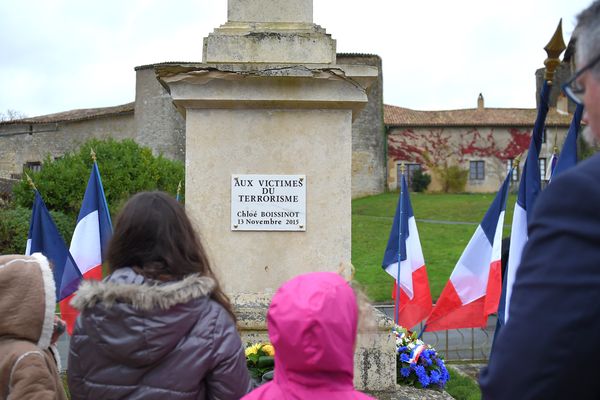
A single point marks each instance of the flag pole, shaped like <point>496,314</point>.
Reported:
<point>178,191</point>
<point>400,233</point>
<point>30,182</point>
<point>527,195</point>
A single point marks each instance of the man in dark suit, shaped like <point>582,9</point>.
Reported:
<point>550,345</point>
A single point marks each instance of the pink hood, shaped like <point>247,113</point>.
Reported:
<point>312,325</point>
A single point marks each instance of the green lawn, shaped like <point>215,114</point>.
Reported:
<point>462,387</point>
<point>442,243</point>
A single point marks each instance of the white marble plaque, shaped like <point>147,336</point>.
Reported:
<point>268,202</point>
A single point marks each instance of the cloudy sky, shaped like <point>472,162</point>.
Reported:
<point>58,55</point>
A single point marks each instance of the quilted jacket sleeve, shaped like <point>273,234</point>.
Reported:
<point>229,378</point>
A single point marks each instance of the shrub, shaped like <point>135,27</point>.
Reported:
<point>14,227</point>
<point>454,179</point>
<point>420,181</point>
<point>126,168</point>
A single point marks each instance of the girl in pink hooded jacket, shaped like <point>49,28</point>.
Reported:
<point>312,322</point>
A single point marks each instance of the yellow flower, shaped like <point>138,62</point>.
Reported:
<point>252,349</point>
<point>268,349</point>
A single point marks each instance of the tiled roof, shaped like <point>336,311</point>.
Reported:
<point>400,116</point>
<point>74,115</point>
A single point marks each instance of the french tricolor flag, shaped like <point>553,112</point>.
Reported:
<point>45,238</point>
<point>473,291</point>
<point>529,189</point>
<point>414,303</point>
<point>90,238</point>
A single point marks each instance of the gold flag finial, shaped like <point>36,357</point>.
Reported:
<point>402,168</point>
<point>554,49</point>
<point>178,191</point>
<point>517,161</point>
<point>30,181</point>
<point>93,154</point>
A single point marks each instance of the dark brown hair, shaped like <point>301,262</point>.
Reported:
<point>154,236</point>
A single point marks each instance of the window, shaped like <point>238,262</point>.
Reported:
<point>476,170</point>
<point>410,170</point>
<point>542,163</point>
<point>34,166</point>
<point>509,164</point>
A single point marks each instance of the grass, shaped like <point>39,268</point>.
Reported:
<point>442,243</point>
<point>462,387</point>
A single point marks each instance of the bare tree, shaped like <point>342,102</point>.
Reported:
<point>11,115</point>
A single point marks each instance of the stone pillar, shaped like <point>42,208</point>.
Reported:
<point>269,99</point>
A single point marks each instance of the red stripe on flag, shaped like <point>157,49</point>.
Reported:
<point>414,311</point>
<point>68,313</point>
<point>450,313</point>
<point>494,288</point>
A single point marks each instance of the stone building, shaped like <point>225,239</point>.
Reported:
<point>153,121</point>
<point>483,141</point>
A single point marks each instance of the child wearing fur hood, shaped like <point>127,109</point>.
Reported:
<point>159,326</point>
<point>28,362</point>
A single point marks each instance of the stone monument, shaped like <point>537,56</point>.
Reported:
<point>268,159</point>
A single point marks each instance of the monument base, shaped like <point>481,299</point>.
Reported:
<point>374,357</point>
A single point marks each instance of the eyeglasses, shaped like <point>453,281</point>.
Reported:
<point>572,88</point>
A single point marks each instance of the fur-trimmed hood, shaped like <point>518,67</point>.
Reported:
<point>28,298</point>
<point>141,319</point>
<point>126,286</point>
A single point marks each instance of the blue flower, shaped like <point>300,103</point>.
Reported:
<point>404,357</point>
<point>426,358</point>
<point>445,374</point>
<point>435,377</point>
<point>405,372</point>
<point>424,380</point>
<point>420,371</point>
<point>401,349</point>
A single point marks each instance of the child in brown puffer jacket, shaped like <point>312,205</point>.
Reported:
<point>28,368</point>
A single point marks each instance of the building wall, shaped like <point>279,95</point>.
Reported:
<point>368,134</point>
<point>158,124</point>
<point>22,143</point>
<point>460,146</point>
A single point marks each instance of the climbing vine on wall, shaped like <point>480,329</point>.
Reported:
<point>440,150</point>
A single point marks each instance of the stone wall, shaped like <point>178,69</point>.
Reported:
<point>368,134</point>
<point>158,125</point>
<point>459,146</point>
<point>21,143</point>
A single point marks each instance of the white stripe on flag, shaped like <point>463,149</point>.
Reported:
<point>414,260</point>
<point>470,276</point>
<point>85,244</point>
<point>518,238</point>
<point>28,248</point>
<point>497,246</point>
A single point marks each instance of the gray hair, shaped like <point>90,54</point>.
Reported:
<point>587,33</point>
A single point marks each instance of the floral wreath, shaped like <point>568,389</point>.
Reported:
<point>418,364</point>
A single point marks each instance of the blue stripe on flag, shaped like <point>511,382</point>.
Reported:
<point>568,154</point>
<point>490,220</point>
<point>46,239</point>
<point>531,185</point>
<point>397,245</point>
